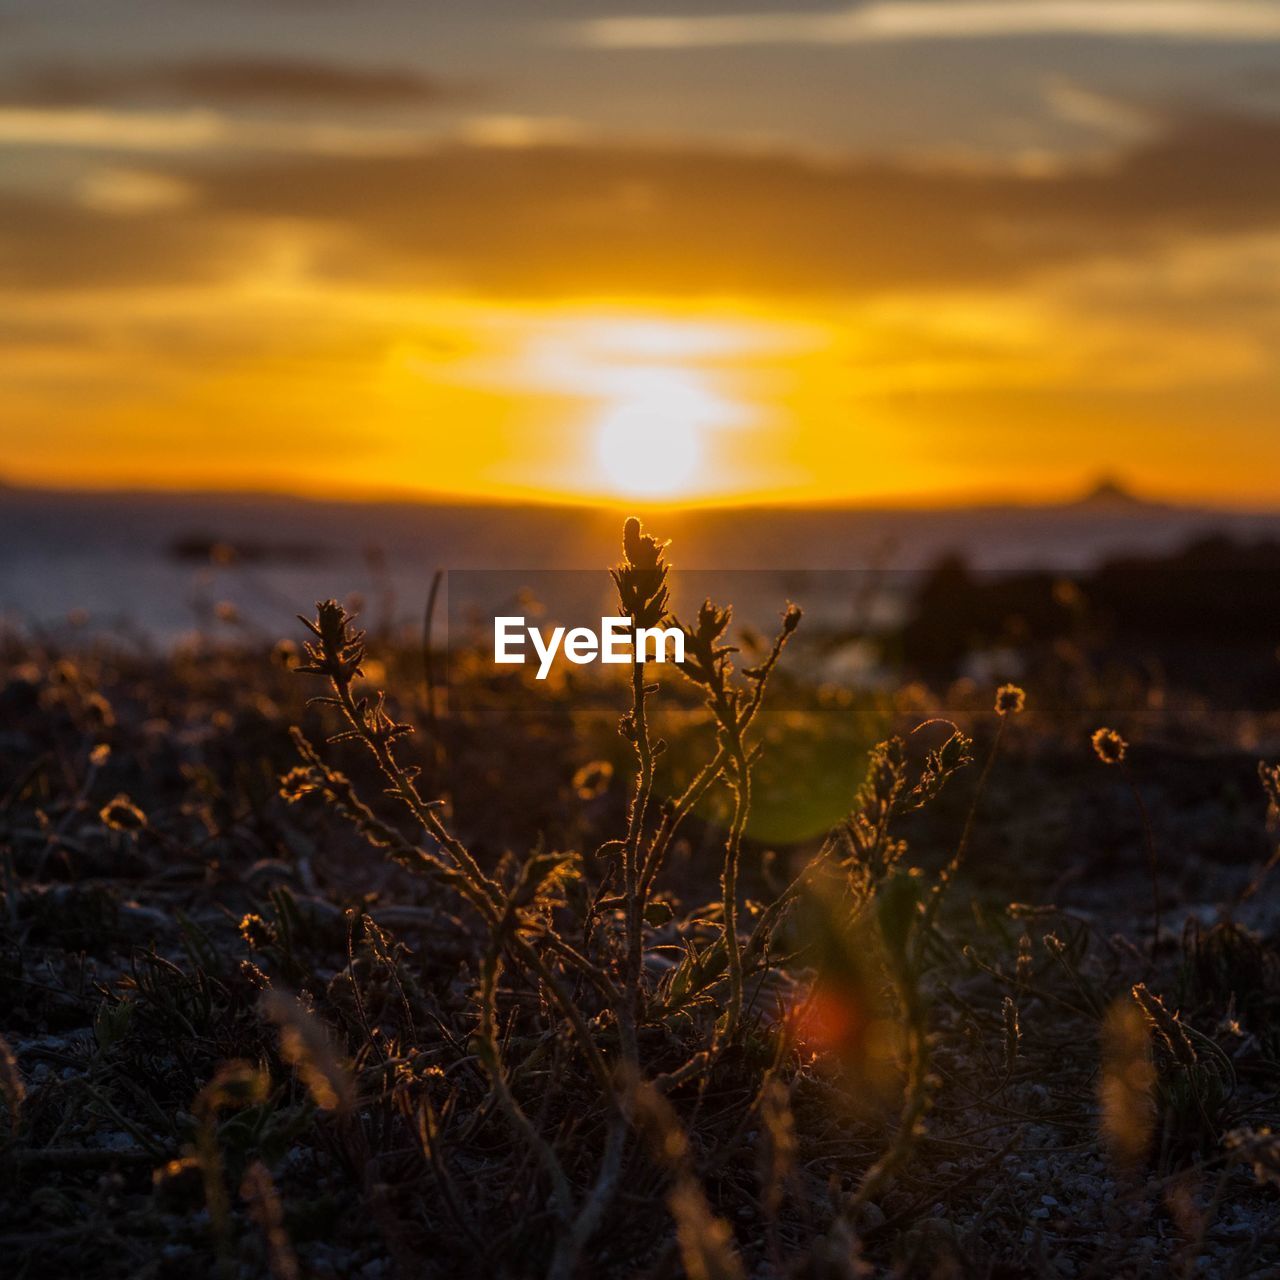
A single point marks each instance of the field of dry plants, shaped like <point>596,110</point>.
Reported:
<point>298,979</point>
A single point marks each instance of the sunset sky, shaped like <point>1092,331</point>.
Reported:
<point>719,249</point>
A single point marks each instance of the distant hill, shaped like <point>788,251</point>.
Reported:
<point>1112,494</point>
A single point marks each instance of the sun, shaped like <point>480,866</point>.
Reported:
<point>650,441</point>
<point>644,458</point>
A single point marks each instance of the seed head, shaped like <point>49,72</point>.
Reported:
<point>98,711</point>
<point>1025,961</point>
<point>179,1182</point>
<point>642,577</point>
<point>340,650</point>
<point>593,779</point>
<point>256,932</point>
<point>121,814</point>
<point>1010,700</point>
<point>1109,746</point>
<point>1168,1026</point>
<point>307,1045</point>
<point>285,654</point>
<point>704,654</point>
<point>1126,1085</point>
<point>300,781</point>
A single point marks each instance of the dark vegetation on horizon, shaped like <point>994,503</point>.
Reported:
<point>1205,617</point>
<point>551,987</point>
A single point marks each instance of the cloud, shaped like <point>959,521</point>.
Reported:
<point>228,81</point>
<point>594,219</point>
<point>1110,115</point>
<point>190,129</point>
<point>900,20</point>
<point>520,131</point>
<point>133,191</point>
<point>134,131</point>
<point>533,219</point>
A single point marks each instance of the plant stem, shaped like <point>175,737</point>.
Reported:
<point>949,871</point>
<point>732,852</point>
<point>631,851</point>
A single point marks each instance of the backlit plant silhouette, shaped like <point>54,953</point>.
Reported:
<point>580,950</point>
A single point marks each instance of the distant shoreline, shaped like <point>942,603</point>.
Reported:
<point>1106,494</point>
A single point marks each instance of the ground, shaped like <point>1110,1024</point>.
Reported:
<point>168,912</point>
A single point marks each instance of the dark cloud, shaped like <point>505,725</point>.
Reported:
<point>565,219</point>
<point>230,80</point>
<point>556,221</point>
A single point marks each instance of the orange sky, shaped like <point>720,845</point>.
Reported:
<point>295,386</point>
<point>876,256</point>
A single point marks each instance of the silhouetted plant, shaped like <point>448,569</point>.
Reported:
<point>599,982</point>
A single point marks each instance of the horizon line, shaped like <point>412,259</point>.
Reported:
<point>1121,493</point>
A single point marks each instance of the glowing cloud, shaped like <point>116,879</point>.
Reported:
<point>890,20</point>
